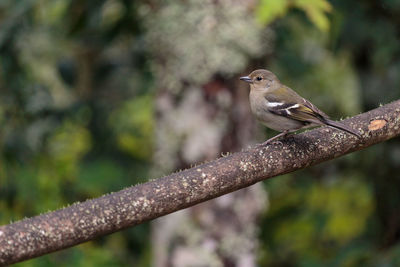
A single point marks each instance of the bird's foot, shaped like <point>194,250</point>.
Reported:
<point>274,140</point>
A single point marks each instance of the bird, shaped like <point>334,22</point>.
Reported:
<point>280,108</point>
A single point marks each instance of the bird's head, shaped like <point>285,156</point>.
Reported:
<point>261,80</point>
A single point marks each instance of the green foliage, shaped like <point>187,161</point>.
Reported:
<point>66,67</point>
<point>316,11</point>
<point>270,10</point>
<point>133,125</point>
<point>346,206</point>
<point>314,221</point>
<point>67,146</point>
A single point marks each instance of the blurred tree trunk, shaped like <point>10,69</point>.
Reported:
<point>199,115</point>
<point>193,128</point>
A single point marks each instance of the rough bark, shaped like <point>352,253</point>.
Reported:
<point>81,222</point>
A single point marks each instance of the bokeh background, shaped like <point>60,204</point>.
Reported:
<point>97,95</point>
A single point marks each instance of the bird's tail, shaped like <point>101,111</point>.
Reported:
<point>342,127</point>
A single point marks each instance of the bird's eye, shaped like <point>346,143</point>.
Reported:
<point>259,78</point>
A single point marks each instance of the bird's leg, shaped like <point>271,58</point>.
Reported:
<point>284,133</point>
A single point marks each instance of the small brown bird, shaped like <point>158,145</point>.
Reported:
<point>280,108</point>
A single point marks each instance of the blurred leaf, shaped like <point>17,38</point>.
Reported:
<point>133,125</point>
<point>347,205</point>
<point>269,10</point>
<point>312,220</point>
<point>316,11</point>
<point>296,235</point>
<point>69,143</point>
<point>50,12</point>
<point>100,176</point>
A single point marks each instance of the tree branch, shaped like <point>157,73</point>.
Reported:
<point>85,221</point>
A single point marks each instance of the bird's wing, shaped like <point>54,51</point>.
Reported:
<point>316,110</point>
<point>297,108</point>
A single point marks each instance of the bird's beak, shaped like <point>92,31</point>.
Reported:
<point>246,79</point>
